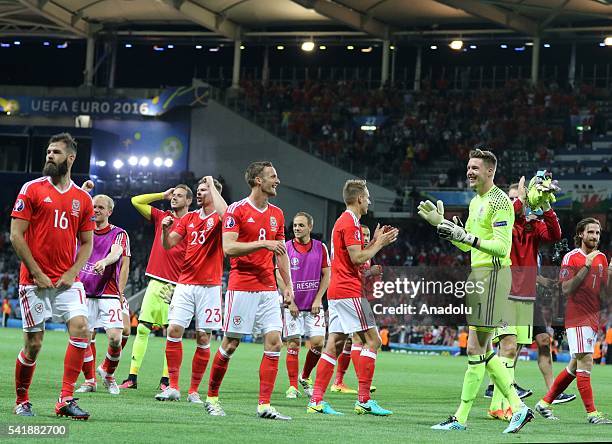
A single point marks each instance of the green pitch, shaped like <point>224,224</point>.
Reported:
<point>421,390</point>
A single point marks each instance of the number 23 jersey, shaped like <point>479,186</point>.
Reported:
<point>55,218</point>
<point>255,271</point>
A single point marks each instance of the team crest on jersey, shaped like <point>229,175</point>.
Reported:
<point>38,308</point>
<point>237,320</point>
<point>600,269</point>
<point>590,341</point>
<point>19,205</point>
<point>358,235</point>
<point>209,224</point>
<point>564,273</point>
<point>273,224</point>
<point>76,207</point>
<point>230,222</point>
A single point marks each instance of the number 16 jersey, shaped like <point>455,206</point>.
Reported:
<point>56,217</point>
<point>255,271</point>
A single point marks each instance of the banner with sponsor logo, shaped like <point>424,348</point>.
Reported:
<point>107,107</point>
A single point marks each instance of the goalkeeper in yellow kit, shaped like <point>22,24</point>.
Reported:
<point>488,238</point>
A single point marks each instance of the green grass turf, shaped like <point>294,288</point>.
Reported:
<point>421,390</point>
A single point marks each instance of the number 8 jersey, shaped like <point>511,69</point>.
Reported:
<point>203,264</point>
<point>55,218</point>
<point>255,271</point>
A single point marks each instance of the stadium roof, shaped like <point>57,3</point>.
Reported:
<point>274,19</point>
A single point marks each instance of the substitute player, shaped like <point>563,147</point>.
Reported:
<point>100,278</point>
<point>253,235</point>
<point>353,346</point>
<point>310,271</point>
<point>488,238</point>
<point>585,277</point>
<point>349,311</point>
<point>528,233</point>
<point>50,215</point>
<point>198,293</point>
<point>89,362</point>
<point>163,271</point>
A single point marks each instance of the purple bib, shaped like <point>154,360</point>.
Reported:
<point>95,284</point>
<point>305,273</point>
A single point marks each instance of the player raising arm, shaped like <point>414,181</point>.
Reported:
<point>198,293</point>
<point>163,271</point>
<point>586,278</point>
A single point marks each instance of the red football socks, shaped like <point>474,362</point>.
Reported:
<point>325,370</point>
<point>89,362</point>
<point>355,356</point>
<point>293,366</point>
<point>312,358</point>
<point>113,355</point>
<point>562,381</point>
<point>217,372</point>
<point>268,369</point>
<point>583,380</point>
<point>24,371</point>
<point>174,357</point>
<point>343,362</point>
<point>367,363</point>
<point>73,362</point>
<point>198,366</point>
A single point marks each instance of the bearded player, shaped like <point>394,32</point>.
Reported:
<point>163,271</point>
<point>253,235</point>
<point>349,311</point>
<point>310,272</point>
<point>488,237</point>
<point>100,277</point>
<point>586,278</point>
<point>198,293</point>
<point>50,215</point>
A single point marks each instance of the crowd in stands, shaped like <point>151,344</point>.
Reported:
<point>415,128</point>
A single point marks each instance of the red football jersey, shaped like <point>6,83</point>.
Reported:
<point>203,263</point>
<point>255,271</point>
<point>345,277</point>
<point>582,307</point>
<point>56,217</point>
<point>526,239</point>
<point>165,265</point>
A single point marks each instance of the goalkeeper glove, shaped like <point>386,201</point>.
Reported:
<point>434,214</point>
<point>453,232</point>
<point>166,293</point>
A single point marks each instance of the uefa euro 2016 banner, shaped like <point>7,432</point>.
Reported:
<point>108,107</point>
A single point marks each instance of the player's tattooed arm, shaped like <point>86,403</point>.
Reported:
<point>142,201</point>
<point>169,239</point>
<point>112,257</point>
<point>18,229</point>
<point>67,279</point>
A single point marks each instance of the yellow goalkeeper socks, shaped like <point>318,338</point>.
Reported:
<point>139,348</point>
<point>501,377</point>
<point>471,385</point>
<point>498,397</point>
